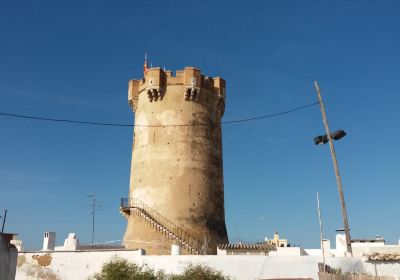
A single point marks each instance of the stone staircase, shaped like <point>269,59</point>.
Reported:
<point>162,225</point>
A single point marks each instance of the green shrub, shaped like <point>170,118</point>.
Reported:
<point>120,269</point>
<point>199,272</point>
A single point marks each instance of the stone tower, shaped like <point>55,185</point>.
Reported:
<point>176,193</point>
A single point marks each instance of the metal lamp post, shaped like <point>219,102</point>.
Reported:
<point>328,138</point>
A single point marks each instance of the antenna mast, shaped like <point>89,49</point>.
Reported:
<point>4,220</point>
<point>320,230</point>
<point>93,205</point>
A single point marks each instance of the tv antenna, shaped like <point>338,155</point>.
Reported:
<point>94,206</point>
<point>4,220</point>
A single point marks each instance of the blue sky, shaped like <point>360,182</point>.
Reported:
<point>73,59</point>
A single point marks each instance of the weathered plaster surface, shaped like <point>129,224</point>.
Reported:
<point>79,265</point>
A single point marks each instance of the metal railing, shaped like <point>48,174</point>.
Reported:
<point>182,236</point>
<point>348,276</point>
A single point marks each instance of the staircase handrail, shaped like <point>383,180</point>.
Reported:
<point>160,219</point>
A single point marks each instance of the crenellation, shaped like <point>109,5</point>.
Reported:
<point>156,81</point>
<point>207,82</point>
<point>133,93</point>
<point>192,83</point>
<point>174,81</point>
<point>179,73</point>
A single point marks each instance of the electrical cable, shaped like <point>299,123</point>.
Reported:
<point>272,115</point>
<point>167,125</point>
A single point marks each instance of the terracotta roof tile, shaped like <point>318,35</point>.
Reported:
<point>247,247</point>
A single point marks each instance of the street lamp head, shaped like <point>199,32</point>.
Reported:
<point>321,139</point>
<point>338,134</point>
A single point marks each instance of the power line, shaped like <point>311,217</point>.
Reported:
<point>167,125</point>
<point>61,120</point>
<point>272,115</point>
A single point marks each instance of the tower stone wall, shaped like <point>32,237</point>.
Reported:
<point>176,167</point>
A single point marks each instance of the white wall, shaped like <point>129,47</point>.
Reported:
<point>81,264</point>
<point>49,241</point>
<point>362,248</point>
<point>71,243</point>
<point>383,268</point>
<point>383,249</point>
<point>367,244</point>
<point>288,251</point>
<point>341,247</point>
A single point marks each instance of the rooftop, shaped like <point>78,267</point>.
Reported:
<point>247,247</point>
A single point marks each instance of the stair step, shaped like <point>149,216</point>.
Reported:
<point>164,230</point>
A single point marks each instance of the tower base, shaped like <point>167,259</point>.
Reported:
<point>141,234</point>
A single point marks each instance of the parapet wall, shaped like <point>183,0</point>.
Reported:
<point>156,81</point>
<point>81,265</point>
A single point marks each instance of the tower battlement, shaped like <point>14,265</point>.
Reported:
<point>156,80</point>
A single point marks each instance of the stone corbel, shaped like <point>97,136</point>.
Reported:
<point>154,93</point>
<point>192,93</point>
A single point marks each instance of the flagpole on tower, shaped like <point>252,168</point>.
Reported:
<point>145,64</point>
